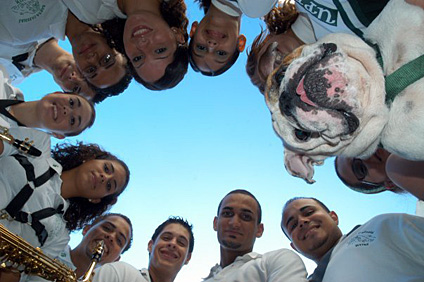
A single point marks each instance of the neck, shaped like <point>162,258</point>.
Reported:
<point>229,256</point>
<point>80,260</point>
<point>291,33</point>
<point>74,27</point>
<point>161,275</point>
<point>26,113</point>
<point>130,7</point>
<point>48,54</point>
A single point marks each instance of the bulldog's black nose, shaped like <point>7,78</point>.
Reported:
<point>329,48</point>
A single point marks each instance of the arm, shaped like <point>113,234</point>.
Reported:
<point>285,266</point>
<point>419,3</point>
<point>406,174</point>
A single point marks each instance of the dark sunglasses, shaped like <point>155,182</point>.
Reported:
<point>360,171</point>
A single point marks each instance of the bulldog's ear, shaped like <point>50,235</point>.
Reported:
<point>300,165</point>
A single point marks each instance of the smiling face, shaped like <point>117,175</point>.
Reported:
<point>214,42</point>
<point>101,65</point>
<point>114,231</point>
<point>98,178</point>
<point>237,223</point>
<point>170,251</point>
<point>64,113</point>
<point>311,229</point>
<point>150,44</point>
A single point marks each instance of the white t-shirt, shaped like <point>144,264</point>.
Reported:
<point>388,248</point>
<point>7,92</point>
<point>250,8</point>
<point>23,22</point>
<point>118,272</point>
<point>277,266</point>
<point>325,17</point>
<point>94,11</point>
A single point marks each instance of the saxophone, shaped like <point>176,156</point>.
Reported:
<point>19,256</point>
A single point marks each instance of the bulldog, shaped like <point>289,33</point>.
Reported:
<point>328,98</point>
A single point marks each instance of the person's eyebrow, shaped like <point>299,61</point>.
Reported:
<point>79,103</point>
<point>291,218</point>
<point>197,55</point>
<point>125,238</point>
<point>114,180</point>
<point>161,58</point>
<point>79,121</point>
<point>109,66</point>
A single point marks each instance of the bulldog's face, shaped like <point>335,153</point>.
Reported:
<point>324,100</point>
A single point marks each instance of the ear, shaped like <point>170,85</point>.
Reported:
<point>150,246</point>
<point>178,35</point>
<point>293,247</point>
<point>188,258</point>
<point>193,29</point>
<point>215,223</point>
<point>241,41</point>
<point>260,230</point>
<point>334,217</point>
<point>57,135</point>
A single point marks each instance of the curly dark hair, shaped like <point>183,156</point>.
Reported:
<point>81,211</point>
<point>174,13</point>
<point>278,21</point>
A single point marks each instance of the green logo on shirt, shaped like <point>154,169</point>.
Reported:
<point>321,12</point>
<point>31,8</point>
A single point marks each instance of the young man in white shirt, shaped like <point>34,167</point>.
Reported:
<point>386,248</point>
<point>238,224</point>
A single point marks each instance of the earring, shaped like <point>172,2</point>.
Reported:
<point>90,200</point>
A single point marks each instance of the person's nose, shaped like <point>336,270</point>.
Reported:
<point>212,43</point>
<point>235,222</point>
<point>142,42</point>
<point>172,243</point>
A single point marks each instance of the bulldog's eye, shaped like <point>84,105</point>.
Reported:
<point>302,135</point>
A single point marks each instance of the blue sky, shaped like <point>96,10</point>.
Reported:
<point>189,146</point>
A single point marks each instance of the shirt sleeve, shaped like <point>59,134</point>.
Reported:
<point>117,271</point>
<point>285,266</point>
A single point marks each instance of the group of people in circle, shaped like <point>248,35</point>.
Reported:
<point>71,186</point>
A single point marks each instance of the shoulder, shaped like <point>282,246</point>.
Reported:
<point>117,271</point>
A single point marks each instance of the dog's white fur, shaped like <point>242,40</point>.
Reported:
<point>399,33</point>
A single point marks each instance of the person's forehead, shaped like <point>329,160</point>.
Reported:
<point>240,201</point>
<point>120,223</point>
<point>177,230</point>
<point>298,205</point>
<point>344,168</point>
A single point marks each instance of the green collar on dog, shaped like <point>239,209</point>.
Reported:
<point>404,76</point>
<point>397,81</point>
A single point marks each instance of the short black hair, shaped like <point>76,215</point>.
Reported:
<point>220,71</point>
<point>176,220</point>
<point>106,215</point>
<point>244,192</point>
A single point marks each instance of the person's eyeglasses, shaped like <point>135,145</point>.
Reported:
<point>360,171</point>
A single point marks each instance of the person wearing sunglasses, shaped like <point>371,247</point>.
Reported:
<point>381,172</point>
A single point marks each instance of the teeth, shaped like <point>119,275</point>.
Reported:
<point>141,31</point>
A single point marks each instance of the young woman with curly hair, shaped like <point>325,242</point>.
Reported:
<point>152,34</point>
<point>44,198</point>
